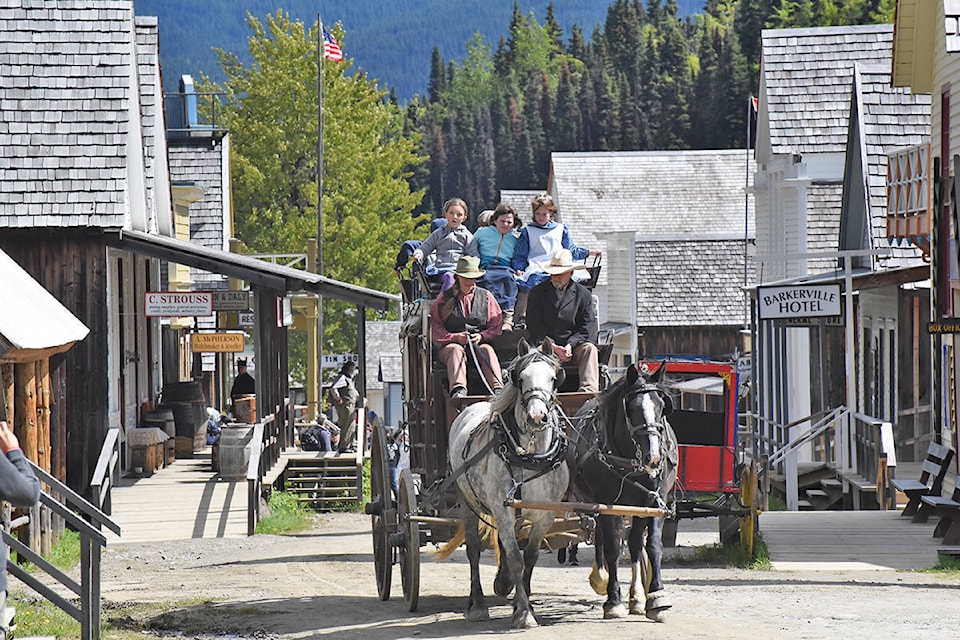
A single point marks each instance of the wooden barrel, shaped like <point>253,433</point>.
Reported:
<point>189,408</point>
<point>235,450</point>
<point>245,409</point>
<point>162,418</point>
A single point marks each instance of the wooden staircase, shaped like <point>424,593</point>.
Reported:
<point>325,480</point>
<point>821,489</point>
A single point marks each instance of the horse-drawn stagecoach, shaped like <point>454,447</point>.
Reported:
<point>621,434</point>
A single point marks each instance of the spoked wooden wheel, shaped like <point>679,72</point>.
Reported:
<point>382,510</point>
<point>410,548</point>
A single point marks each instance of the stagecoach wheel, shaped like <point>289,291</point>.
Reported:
<point>383,511</point>
<point>748,495</point>
<point>410,549</point>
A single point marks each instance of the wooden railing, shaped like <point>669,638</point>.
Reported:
<point>858,446</point>
<point>270,437</point>
<point>83,517</point>
<point>107,472</point>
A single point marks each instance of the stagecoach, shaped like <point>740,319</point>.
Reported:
<point>425,510</point>
<point>713,478</point>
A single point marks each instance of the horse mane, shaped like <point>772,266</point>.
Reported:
<point>613,393</point>
<point>504,400</point>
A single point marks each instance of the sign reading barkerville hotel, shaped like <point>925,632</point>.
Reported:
<point>177,303</point>
<point>799,301</point>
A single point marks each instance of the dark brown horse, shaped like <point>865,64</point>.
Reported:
<point>625,453</point>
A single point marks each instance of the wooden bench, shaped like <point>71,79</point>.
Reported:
<point>935,466</point>
<point>948,509</point>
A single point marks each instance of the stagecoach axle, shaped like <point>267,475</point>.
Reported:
<point>588,507</point>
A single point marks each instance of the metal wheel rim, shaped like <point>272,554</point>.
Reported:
<point>382,525</point>
<point>409,552</point>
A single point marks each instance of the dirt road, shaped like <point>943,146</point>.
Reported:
<point>320,584</point>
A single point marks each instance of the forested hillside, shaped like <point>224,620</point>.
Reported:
<point>390,40</point>
<point>648,79</point>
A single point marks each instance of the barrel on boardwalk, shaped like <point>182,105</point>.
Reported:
<point>235,450</point>
<point>189,408</point>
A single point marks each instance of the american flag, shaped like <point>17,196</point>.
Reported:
<point>331,50</point>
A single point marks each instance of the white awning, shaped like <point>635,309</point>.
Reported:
<point>33,324</point>
<point>708,385</point>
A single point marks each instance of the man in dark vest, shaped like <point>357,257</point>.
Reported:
<point>465,315</point>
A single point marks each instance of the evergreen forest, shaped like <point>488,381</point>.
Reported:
<point>645,79</point>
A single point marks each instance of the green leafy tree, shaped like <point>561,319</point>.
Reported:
<point>270,108</point>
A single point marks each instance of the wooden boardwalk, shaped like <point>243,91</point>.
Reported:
<point>847,541</point>
<point>184,500</point>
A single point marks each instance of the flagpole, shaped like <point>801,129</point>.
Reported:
<point>320,207</point>
<point>746,219</point>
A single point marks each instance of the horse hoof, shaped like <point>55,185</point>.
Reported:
<point>502,586</point>
<point>477,614</point>
<point>657,605</point>
<point>614,611</point>
<point>524,620</point>
<point>598,580</point>
<point>637,608</point>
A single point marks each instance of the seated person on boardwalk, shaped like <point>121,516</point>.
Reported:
<point>447,244</point>
<point>495,244</point>
<point>539,241</point>
<point>466,315</point>
<point>562,309</point>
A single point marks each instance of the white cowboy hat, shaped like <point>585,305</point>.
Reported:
<point>469,267</point>
<point>562,262</point>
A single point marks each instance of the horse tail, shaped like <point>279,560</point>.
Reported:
<point>488,537</point>
<point>451,545</point>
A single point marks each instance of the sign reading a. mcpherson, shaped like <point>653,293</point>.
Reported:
<point>158,304</point>
<point>228,342</point>
<point>799,301</point>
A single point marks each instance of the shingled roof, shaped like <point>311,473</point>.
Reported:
<point>889,118</point>
<point>67,92</point>
<point>805,77</point>
<point>691,282</point>
<point>652,192</point>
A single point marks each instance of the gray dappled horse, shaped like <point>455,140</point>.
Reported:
<point>498,449</point>
<point>625,453</point>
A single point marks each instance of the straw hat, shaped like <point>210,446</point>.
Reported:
<point>469,267</point>
<point>562,262</point>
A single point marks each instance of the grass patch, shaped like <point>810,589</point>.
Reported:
<point>947,565</point>
<point>286,515</point>
<point>718,555</point>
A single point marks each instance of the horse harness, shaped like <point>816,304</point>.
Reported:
<point>601,448</point>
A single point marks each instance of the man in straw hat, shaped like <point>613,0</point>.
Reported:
<point>464,314</point>
<point>563,309</point>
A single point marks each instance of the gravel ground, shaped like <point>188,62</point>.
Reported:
<point>320,584</point>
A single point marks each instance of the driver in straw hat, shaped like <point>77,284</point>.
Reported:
<point>466,313</point>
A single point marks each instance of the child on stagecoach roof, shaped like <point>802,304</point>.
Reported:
<point>495,245</point>
<point>448,243</point>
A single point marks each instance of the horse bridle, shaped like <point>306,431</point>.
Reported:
<point>647,428</point>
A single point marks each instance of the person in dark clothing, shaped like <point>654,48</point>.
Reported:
<point>20,487</point>
<point>243,384</point>
<point>563,309</point>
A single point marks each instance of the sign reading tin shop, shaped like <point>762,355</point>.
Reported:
<point>158,304</point>
<point>799,301</point>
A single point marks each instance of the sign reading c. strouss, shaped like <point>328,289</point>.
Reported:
<point>158,304</point>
